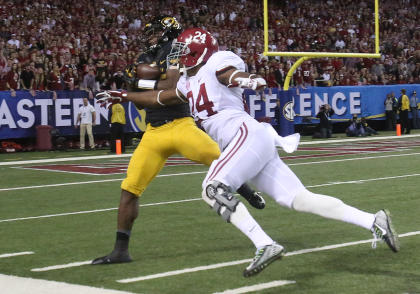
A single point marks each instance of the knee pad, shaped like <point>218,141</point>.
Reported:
<point>220,198</point>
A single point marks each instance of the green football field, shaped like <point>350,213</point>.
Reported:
<point>58,211</point>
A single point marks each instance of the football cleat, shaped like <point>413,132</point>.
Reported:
<point>256,200</point>
<point>264,257</point>
<point>382,229</point>
<point>113,257</point>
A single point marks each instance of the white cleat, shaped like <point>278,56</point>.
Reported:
<point>382,229</point>
<point>264,257</point>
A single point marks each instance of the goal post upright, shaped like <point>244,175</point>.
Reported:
<point>306,55</point>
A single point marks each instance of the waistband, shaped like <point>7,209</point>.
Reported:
<point>160,122</point>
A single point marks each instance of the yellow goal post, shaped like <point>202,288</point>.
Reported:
<point>306,55</point>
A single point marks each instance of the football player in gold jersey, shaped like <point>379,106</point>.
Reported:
<point>170,130</point>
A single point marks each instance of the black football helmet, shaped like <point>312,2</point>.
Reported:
<point>167,27</point>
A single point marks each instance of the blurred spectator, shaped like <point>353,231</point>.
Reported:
<point>71,79</point>
<point>13,78</point>
<point>89,81</point>
<point>104,35</point>
<point>355,127</point>
<point>27,78</point>
<point>14,42</point>
<point>368,129</point>
<point>117,113</point>
<point>391,106</point>
<point>271,79</point>
<point>325,124</point>
<point>86,119</point>
<point>279,74</point>
<point>326,79</point>
<point>404,109</point>
<point>40,82</point>
<point>118,81</point>
<point>414,105</point>
<point>54,80</point>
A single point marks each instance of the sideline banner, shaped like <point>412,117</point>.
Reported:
<point>365,101</point>
<point>21,114</point>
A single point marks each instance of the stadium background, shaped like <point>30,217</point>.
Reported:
<point>58,209</point>
<point>86,45</point>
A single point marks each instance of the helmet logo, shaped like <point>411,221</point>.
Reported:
<point>199,37</point>
<point>169,22</point>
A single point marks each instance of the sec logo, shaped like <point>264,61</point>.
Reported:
<point>137,118</point>
<point>288,111</point>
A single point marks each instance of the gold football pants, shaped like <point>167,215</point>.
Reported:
<point>158,143</point>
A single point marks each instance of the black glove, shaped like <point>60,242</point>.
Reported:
<point>130,74</point>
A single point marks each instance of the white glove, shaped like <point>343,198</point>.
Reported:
<point>254,83</point>
<point>108,98</point>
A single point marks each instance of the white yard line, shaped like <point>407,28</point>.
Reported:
<point>61,171</point>
<point>5,255</point>
<point>61,266</point>
<point>64,159</point>
<point>374,138</point>
<point>257,287</point>
<point>201,172</point>
<point>352,159</point>
<point>19,285</point>
<point>363,181</point>
<point>213,266</point>
<point>329,141</point>
<point>195,199</point>
<point>231,263</point>
<point>94,211</point>
<point>93,182</point>
<point>61,184</point>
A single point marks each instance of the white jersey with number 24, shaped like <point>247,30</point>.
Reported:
<point>248,147</point>
<point>219,109</point>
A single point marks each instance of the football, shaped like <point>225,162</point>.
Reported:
<point>148,72</point>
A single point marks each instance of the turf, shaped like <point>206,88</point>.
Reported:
<point>179,235</point>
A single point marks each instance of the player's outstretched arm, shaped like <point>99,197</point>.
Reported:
<point>156,99</point>
<point>152,99</point>
<point>232,77</point>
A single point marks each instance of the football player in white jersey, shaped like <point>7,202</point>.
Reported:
<point>212,83</point>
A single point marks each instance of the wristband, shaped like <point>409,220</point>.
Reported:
<point>146,84</point>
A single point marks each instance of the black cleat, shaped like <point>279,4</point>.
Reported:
<point>257,201</point>
<point>114,257</point>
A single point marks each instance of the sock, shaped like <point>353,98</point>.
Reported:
<point>243,220</point>
<point>122,240</point>
<point>333,208</point>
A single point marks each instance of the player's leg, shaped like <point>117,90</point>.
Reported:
<point>278,181</point>
<point>194,144</point>
<point>90,136</point>
<point>242,160</point>
<point>146,162</point>
<point>127,213</point>
<point>82,136</point>
<point>113,137</point>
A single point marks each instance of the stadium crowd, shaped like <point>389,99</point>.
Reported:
<point>58,45</point>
